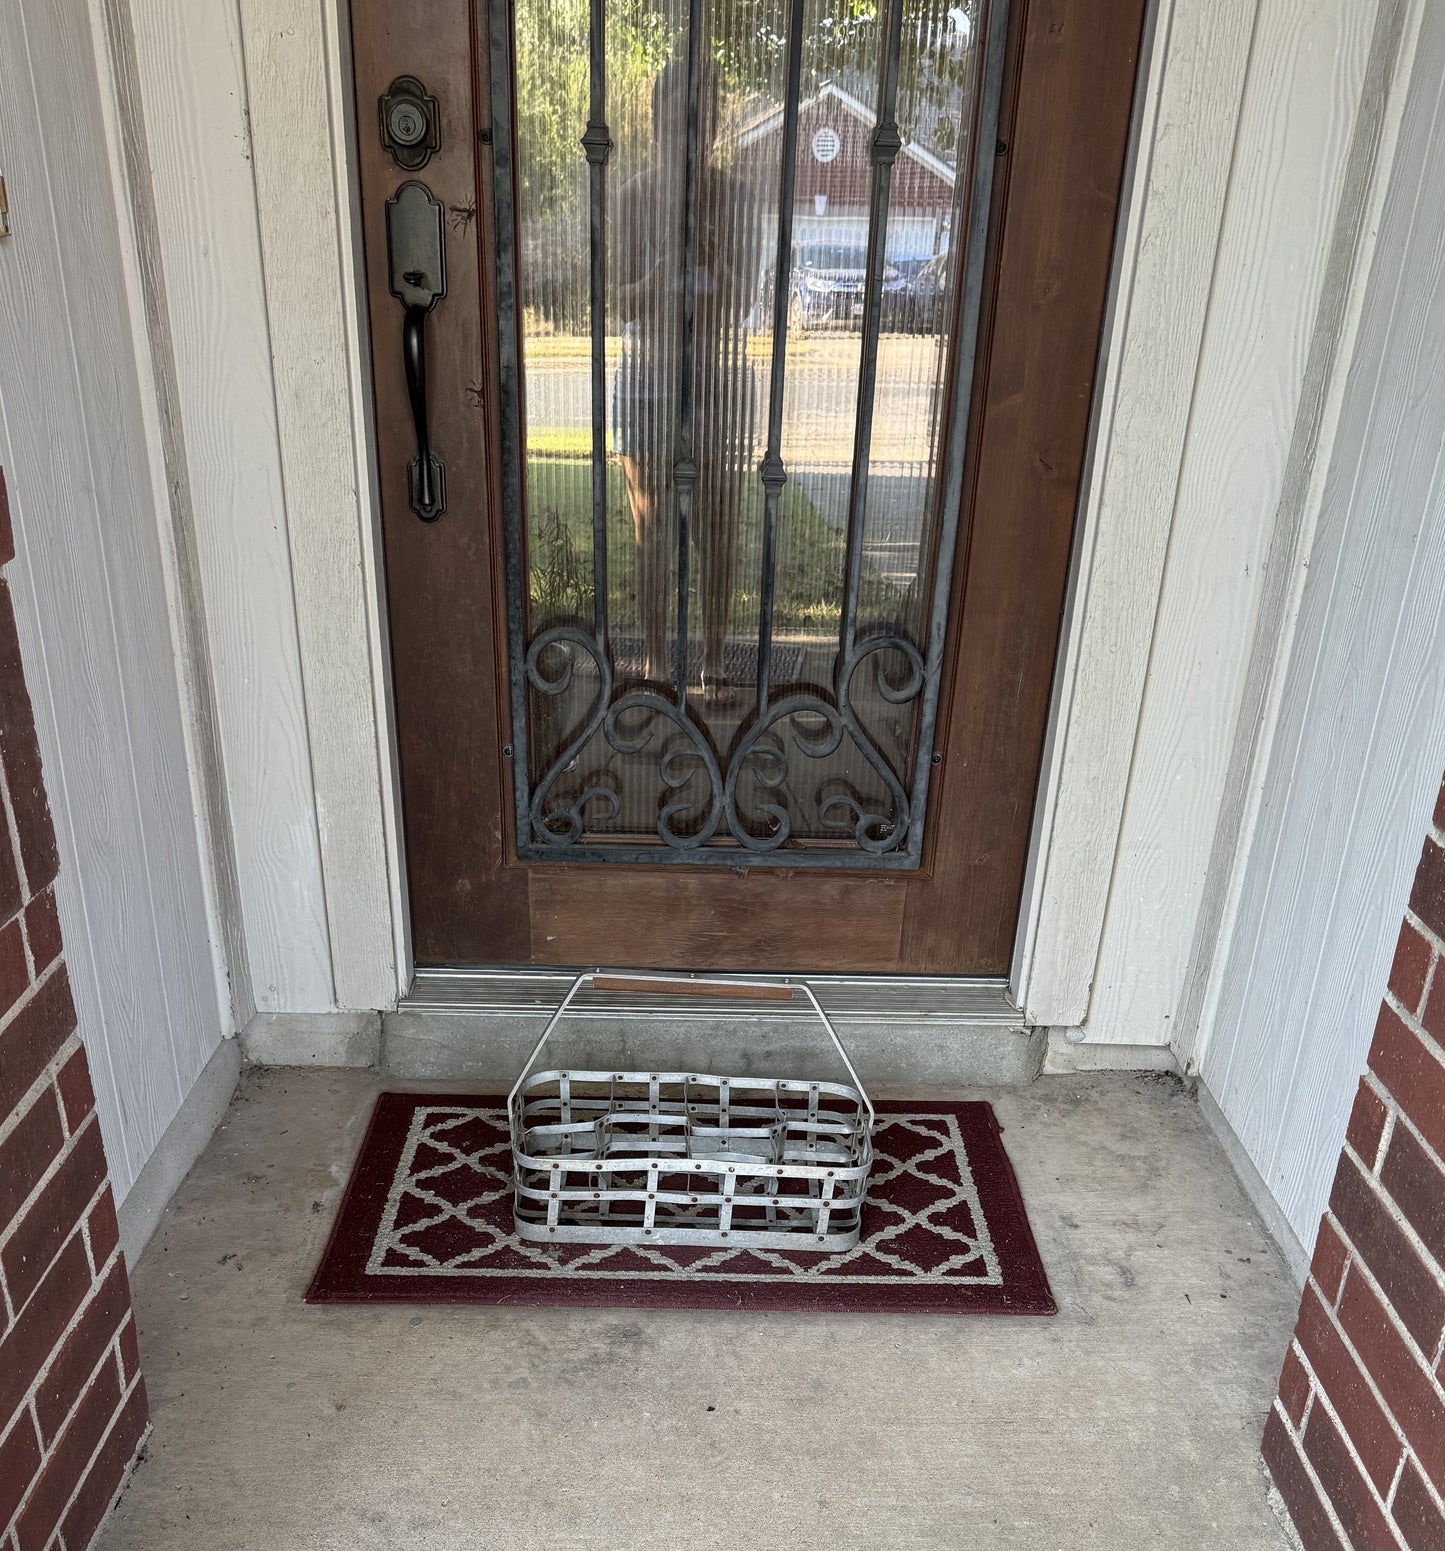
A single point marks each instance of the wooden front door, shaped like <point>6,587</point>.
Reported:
<point>733,363</point>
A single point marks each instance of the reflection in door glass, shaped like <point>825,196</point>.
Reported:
<point>730,550</point>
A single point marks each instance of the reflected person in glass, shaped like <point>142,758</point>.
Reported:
<point>648,261</point>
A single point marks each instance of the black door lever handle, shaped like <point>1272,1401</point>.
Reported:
<point>418,281</point>
<point>426,473</point>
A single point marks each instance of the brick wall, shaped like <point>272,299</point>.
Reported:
<point>1356,1439</point>
<point>72,1401</point>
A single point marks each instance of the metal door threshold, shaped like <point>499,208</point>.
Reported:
<point>479,1025</point>
<point>848,998</point>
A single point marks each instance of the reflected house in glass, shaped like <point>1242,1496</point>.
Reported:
<point>834,179</point>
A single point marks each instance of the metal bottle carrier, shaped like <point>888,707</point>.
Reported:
<point>689,1158</point>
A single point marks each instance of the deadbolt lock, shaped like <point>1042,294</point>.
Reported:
<point>410,123</point>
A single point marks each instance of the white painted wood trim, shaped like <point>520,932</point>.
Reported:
<point>1126,247</point>
<point>358,340</point>
<point>90,594</point>
<point>130,173</point>
<point>1355,764</point>
<point>1342,303</point>
<point>309,290</point>
<point>190,66</point>
<point>1298,178</point>
<point>1191,101</point>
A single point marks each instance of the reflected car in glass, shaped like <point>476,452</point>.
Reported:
<point>828,283</point>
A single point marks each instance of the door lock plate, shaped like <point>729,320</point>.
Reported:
<point>415,246</point>
<point>410,123</point>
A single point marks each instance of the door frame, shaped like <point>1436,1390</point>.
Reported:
<point>990,835</point>
<point>1087,856</point>
<point>1067,854</point>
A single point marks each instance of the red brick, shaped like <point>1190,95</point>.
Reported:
<point>1403,1380</point>
<point>1367,1124</point>
<point>103,1231</point>
<point>1439,814</point>
<point>1410,1285</point>
<point>1411,968</point>
<point>38,1326</point>
<point>1294,1386</point>
<point>1327,1265</point>
<point>1339,1376</point>
<point>20,754</point>
<point>42,929</point>
<point>7,553</point>
<point>1300,1494</point>
<point>1427,897</point>
<point>33,1037</point>
<point>84,1346</point>
<point>76,1095</point>
<point>14,970</point>
<point>19,1460</point>
<point>1363,1519</point>
<point>129,1351</point>
<point>1414,1511</point>
<point>65,1465</point>
<point>1412,1073</point>
<point>106,1474</point>
<point>1417,1184</point>
<point>52,1215</point>
<point>27,1152</point>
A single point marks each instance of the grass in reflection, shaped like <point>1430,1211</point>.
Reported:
<point>808,591</point>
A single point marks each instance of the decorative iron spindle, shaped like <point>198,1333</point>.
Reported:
<point>565,813</point>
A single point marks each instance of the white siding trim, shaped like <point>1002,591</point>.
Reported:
<point>1356,759</point>
<point>1289,193</point>
<point>190,67</point>
<point>1190,111</point>
<point>309,289</point>
<point>90,596</point>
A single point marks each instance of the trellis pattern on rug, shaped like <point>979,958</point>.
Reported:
<point>426,1218</point>
<point>449,1210</point>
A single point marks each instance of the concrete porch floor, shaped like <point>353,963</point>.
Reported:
<point>1131,1420</point>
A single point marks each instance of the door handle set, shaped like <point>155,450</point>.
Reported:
<point>417,258</point>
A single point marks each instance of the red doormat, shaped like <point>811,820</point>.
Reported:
<point>427,1218</point>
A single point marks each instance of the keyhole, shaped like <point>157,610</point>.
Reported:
<point>407,123</point>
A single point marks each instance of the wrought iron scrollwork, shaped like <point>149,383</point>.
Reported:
<point>808,721</point>
<point>565,825</point>
<point>873,831</point>
<point>767,760</point>
<point>678,761</point>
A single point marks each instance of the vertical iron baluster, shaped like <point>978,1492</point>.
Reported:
<point>597,142</point>
<point>684,473</point>
<point>771,471</point>
<point>509,375</point>
<point>887,143</point>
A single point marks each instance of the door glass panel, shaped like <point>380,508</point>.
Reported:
<point>741,231</point>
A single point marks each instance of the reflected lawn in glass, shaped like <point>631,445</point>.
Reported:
<point>808,600</point>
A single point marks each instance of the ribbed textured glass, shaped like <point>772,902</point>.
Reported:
<point>690,219</point>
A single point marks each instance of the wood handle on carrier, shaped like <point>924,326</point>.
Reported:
<point>719,988</point>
